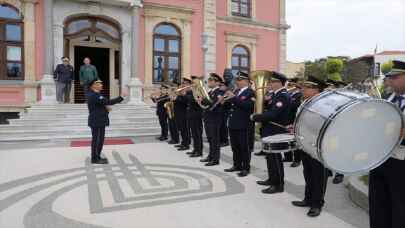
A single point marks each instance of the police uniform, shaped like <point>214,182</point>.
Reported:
<point>162,115</point>
<point>213,116</point>
<point>180,113</point>
<point>276,114</point>
<point>267,99</point>
<point>315,173</point>
<point>386,182</point>
<point>239,123</point>
<point>98,120</point>
<point>194,117</point>
<point>224,131</point>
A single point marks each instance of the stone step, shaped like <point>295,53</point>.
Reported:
<point>70,122</point>
<point>78,115</point>
<point>78,106</point>
<point>16,135</point>
<point>69,125</point>
<point>81,118</point>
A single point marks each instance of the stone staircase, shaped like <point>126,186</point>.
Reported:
<point>69,121</point>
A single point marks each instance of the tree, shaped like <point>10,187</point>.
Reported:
<point>334,67</point>
<point>316,69</point>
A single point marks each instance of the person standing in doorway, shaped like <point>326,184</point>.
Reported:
<point>87,74</point>
<point>63,76</point>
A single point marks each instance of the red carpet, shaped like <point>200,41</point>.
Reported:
<point>107,141</point>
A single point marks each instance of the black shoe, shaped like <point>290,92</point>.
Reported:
<point>178,145</point>
<point>338,179</point>
<point>302,203</point>
<point>287,160</point>
<point>190,152</point>
<point>232,169</point>
<point>205,160</point>
<point>182,148</point>
<point>295,164</point>
<point>172,142</point>
<point>265,182</point>
<point>163,138</point>
<point>196,155</point>
<point>212,163</point>
<point>273,189</point>
<point>314,212</point>
<point>260,153</point>
<point>224,144</point>
<point>100,161</point>
<point>243,173</point>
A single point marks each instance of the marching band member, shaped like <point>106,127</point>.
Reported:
<point>160,101</point>
<point>224,132</point>
<point>174,132</point>
<point>242,108</point>
<point>386,184</point>
<point>267,99</point>
<point>296,98</point>
<point>315,173</point>
<point>180,115</point>
<point>213,116</point>
<point>194,117</point>
<point>277,112</point>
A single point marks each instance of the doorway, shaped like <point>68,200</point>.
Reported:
<point>100,58</point>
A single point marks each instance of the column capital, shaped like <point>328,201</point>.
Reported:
<point>136,4</point>
<point>30,1</point>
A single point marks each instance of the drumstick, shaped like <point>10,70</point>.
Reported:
<point>278,125</point>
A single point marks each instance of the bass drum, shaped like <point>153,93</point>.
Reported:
<point>348,132</point>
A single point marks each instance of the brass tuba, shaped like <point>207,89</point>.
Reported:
<point>199,91</point>
<point>169,106</point>
<point>260,79</point>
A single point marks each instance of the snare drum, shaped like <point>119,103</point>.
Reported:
<point>348,132</point>
<point>280,143</point>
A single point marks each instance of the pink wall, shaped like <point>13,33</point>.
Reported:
<point>267,47</point>
<point>196,32</point>
<point>11,96</point>
<point>266,10</point>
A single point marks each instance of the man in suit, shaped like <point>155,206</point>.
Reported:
<point>296,97</point>
<point>213,116</point>
<point>63,75</point>
<point>98,118</point>
<point>239,123</point>
<point>276,115</point>
<point>386,182</point>
<point>315,173</point>
<point>180,113</point>
<point>161,111</point>
<point>194,117</point>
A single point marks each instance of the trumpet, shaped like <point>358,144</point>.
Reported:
<point>182,88</point>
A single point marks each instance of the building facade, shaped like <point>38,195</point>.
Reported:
<point>134,44</point>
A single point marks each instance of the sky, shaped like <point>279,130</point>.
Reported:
<point>321,28</point>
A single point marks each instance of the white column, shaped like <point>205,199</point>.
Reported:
<point>125,59</point>
<point>135,85</point>
<point>209,36</point>
<point>48,91</point>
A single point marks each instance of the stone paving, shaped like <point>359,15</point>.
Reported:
<point>151,184</point>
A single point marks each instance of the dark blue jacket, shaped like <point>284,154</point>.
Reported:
<point>160,108</point>
<point>214,112</point>
<point>180,108</point>
<point>98,114</point>
<point>296,99</point>
<point>63,74</point>
<point>194,110</point>
<point>241,109</point>
<point>277,111</point>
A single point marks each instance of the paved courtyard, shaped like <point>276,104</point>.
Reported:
<point>151,185</point>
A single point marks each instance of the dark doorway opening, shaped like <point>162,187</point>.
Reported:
<point>100,58</point>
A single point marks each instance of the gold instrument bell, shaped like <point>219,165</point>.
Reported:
<point>260,79</point>
<point>199,91</point>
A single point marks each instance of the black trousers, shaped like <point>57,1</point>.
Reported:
<point>251,136</point>
<point>387,195</point>
<point>183,126</point>
<point>212,130</point>
<point>196,128</point>
<point>294,156</point>
<point>174,132</point>
<point>316,179</point>
<point>97,142</point>
<point>224,132</point>
<point>275,168</point>
<point>240,148</point>
<point>163,124</point>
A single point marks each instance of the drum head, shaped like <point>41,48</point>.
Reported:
<point>361,136</point>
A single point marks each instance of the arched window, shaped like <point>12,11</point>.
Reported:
<point>93,29</point>
<point>11,44</point>
<point>240,59</point>
<point>241,8</point>
<point>166,53</point>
